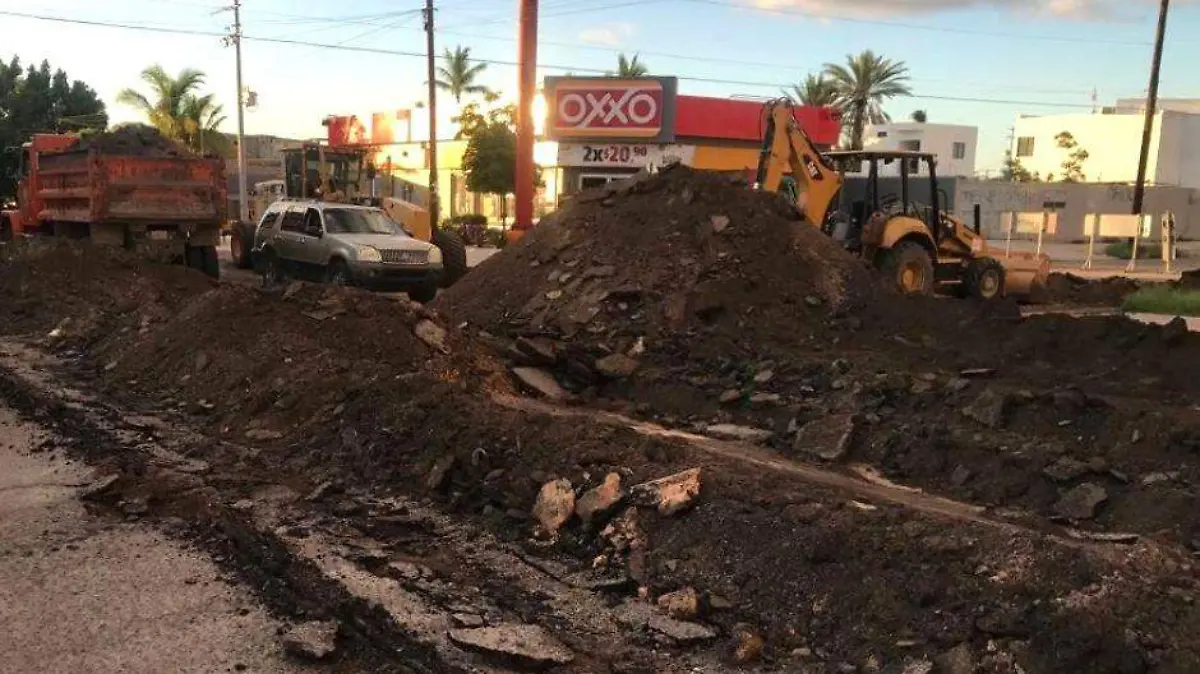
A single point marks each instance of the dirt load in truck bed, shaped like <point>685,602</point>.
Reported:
<point>792,568</point>
<point>689,299</point>
<point>133,139</point>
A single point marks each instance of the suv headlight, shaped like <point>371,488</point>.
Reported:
<point>435,255</point>
<point>369,254</point>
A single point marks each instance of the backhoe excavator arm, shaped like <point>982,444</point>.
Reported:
<point>787,147</point>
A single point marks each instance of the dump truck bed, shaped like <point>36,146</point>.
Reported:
<point>89,186</point>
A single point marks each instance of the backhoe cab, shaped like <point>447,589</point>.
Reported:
<point>916,245</point>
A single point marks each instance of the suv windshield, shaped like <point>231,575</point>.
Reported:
<point>359,221</point>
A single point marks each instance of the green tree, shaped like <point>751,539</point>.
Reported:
<point>202,118</point>
<point>1013,171</point>
<point>458,76</point>
<point>815,90</point>
<point>629,67</point>
<point>39,100</point>
<point>863,83</point>
<point>166,106</point>
<point>919,116</point>
<point>490,158</point>
<point>1073,165</point>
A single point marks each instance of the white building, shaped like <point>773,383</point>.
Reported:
<point>954,145</point>
<point>1113,140</point>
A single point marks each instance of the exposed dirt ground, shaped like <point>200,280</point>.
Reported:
<point>1065,446</point>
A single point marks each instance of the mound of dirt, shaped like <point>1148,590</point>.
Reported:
<point>1076,291</point>
<point>134,139</point>
<point>311,385</point>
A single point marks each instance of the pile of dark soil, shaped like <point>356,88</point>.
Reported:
<point>133,139</point>
<point>1069,289</point>
<point>308,384</point>
<point>691,300</point>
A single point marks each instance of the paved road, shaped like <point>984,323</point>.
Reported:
<point>86,595</point>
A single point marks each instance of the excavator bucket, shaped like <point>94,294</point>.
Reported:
<point>1023,271</point>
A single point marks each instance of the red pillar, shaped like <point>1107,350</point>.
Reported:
<point>527,58</point>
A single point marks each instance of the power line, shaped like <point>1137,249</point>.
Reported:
<point>497,62</point>
<point>916,26</point>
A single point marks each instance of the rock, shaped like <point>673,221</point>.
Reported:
<point>616,366</point>
<point>99,489</point>
<point>670,494</point>
<point>311,640</point>
<point>828,438</point>
<point>812,301</point>
<point>739,433</point>
<point>555,505</point>
<point>554,294</point>
<point>406,570</point>
<point>989,408</point>
<point>319,491</point>
<point>749,645</point>
<point>432,334</point>
<point>917,667</point>
<point>263,435</point>
<point>135,506</point>
<point>641,616</point>
<point>201,361</point>
<point>1065,469</point>
<point>1155,478</point>
<point>529,645</point>
<point>439,474</point>
<point>1136,437</point>
<point>960,475</point>
<point>468,620</point>
<point>541,382</point>
<point>1081,502</point>
<point>764,399</point>
<point>598,502</point>
<point>538,351</point>
<point>958,384</point>
<point>600,271</point>
<point>957,660</point>
<point>681,604</point>
<point>977,372</point>
<point>688,195</point>
<point>731,396</point>
<point>718,603</point>
<point>764,377</point>
<point>1174,331</point>
<point>719,223</point>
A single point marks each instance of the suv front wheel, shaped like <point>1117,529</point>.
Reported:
<point>272,268</point>
<point>337,274</point>
<point>423,293</point>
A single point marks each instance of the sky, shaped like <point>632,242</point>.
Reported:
<point>975,62</point>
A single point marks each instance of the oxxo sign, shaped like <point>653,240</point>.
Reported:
<point>605,108</point>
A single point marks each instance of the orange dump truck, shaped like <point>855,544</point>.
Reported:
<point>143,195</point>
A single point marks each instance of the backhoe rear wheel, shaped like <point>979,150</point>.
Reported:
<point>909,267</point>
<point>454,255</point>
<point>983,279</point>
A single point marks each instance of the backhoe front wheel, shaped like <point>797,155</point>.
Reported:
<point>983,279</point>
<point>909,267</point>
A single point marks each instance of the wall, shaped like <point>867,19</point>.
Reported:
<point>1113,143</point>
<point>1081,199</point>
<point>938,139</point>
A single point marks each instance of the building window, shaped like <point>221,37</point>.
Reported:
<point>960,150</point>
<point>1025,146</point>
<point>910,145</point>
<point>881,134</point>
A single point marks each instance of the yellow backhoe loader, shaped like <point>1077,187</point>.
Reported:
<point>917,246</point>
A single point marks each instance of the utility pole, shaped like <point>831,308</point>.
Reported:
<point>434,199</point>
<point>527,60</point>
<point>236,40</point>
<point>1139,190</point>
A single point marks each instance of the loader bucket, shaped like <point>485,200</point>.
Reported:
<point>1023,271</point>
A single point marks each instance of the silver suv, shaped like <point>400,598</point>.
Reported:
<point>346,245</point>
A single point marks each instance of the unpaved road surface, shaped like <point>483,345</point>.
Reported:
<point>100,593</point>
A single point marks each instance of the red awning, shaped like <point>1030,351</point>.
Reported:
<point>731,119</point>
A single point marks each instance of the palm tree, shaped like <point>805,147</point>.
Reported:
<point>458,75</point>
<point>170,95</point>
<point>919,116</point>
<point>202,118</point>
<point>863,84</point>
<point>815,90</point>
<point>630,67</point>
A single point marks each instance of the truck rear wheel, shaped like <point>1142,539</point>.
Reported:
<point>241,243</point>
<point>210,263</point>
<point>454,255</point>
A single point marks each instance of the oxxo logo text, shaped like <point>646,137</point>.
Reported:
<point>610,111</point>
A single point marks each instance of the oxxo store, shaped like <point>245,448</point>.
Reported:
<point>608,129</point>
